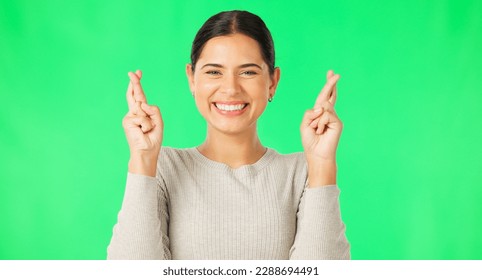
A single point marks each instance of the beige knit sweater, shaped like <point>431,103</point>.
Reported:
<point>197,208</point>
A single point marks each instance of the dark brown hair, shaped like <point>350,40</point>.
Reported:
<point>232,22</point>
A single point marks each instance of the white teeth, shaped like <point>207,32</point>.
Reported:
<point>226,107</point>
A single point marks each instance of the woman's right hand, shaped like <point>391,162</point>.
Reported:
<point>143,127</point>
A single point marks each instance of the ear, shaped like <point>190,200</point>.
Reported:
<point>274,79</point>
<point>190,77</point>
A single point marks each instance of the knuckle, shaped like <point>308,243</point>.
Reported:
<point>138,120</point>
<point>142,119</point>
<point>324,118</point>
<point>126,120</point>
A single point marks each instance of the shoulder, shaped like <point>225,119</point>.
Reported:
<point>292,159</point>
<point>289,173</point>
<point>291,165</point>
<point>173,160</point>
<point>169,153</point>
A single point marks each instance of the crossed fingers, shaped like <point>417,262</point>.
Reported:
<point>142,115</point>
<point>323,110</point>
<point>328,93</point>
<point>135,94</point>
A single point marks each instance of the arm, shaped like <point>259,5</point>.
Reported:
<point>320,231</point>
<point>141,231</point>
<point>142,228</point>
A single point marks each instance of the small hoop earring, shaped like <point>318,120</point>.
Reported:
<point>270,99</point>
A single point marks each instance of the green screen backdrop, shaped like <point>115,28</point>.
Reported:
<point>410,98</point>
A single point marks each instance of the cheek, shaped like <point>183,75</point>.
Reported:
<point>259,89</point>
<point>206,86</point>
<point>203,107</point>
<point>203,90</point>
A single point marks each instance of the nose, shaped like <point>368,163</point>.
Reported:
<point>230,84</point>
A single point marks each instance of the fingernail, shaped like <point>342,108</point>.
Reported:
<point>317,110</point>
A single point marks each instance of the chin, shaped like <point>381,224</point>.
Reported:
<point>232,128</point>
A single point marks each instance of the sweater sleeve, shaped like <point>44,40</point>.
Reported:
<point>141,231</point>
<point>320,232</point>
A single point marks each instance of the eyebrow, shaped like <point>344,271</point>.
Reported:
<point>241,66</point>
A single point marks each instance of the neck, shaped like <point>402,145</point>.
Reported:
<point>234,150</point>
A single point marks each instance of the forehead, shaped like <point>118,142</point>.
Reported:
<point>231,48</point>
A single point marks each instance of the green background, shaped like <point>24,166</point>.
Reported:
<point>410,97</point>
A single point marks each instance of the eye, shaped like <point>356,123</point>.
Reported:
<point>213,72</point>
<point>249,73</point>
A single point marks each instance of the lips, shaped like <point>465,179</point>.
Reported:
<point>230,107</point>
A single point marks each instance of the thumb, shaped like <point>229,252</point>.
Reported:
<point>154,113</point>
<point>311,115</point>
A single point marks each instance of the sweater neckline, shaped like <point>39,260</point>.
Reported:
<point>244,170</point>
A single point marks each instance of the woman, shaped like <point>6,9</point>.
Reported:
<point>231,197</point>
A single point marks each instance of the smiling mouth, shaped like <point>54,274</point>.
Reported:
<point>230,107</point>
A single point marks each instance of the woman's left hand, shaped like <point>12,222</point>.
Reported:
<point>321,128</point>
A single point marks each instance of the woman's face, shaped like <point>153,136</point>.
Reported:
<point>231,83</point>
